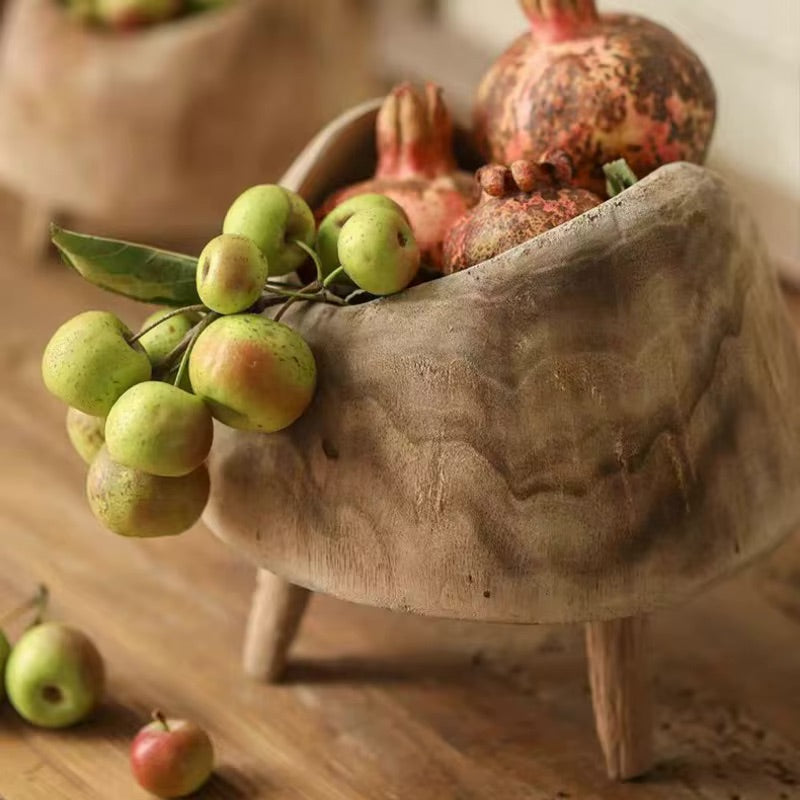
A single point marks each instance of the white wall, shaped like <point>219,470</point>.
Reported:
<point>752,50</point>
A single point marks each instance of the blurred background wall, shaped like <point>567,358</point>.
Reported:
<point>752,50</point>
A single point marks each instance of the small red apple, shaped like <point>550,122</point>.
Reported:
<point>171,757</point>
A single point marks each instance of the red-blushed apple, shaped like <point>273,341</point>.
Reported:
<point>253,373</point>
<point>231,272</point>
<point>171,757</point>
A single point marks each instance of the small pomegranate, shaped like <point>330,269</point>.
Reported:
<point>517,203</point>
<point>416,167</point>
<point>600,87</point>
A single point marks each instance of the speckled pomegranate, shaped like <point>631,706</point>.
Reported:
<point>600,87</point>
<point>517,203</point>
<point>416,167</point>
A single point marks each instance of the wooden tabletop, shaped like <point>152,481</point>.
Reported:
<point>376,704</point>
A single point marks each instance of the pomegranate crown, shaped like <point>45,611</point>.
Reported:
<point>557,20</point>
<point>554,170</point>
<point>414,134</point>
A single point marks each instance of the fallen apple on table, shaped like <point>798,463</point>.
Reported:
<point>171,757</point>
<point>54,676</point>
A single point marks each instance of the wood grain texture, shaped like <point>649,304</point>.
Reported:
<point>619,678</point>
<point>593,425</point>
<point>275,615</point>
<point>376,705</point>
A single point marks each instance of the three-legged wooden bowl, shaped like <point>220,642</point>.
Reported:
<point>587,428</point>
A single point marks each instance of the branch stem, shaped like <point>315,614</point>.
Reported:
<point>168,315</point>
<point>333,276</point>
<point>196,331</point>
<point>312,287</point>
<point>314,257</point>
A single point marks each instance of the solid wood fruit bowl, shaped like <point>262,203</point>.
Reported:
<point>586,428</point>
<point>592,425</point>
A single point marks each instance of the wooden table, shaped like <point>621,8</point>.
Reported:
<point>376,705</point>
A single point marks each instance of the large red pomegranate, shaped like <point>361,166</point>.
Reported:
<point>517,203</point>
<point>416,167</point>
<point>600,87</point>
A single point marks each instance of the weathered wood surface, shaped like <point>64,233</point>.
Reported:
<point>594,425</point>
<point>376,705</point>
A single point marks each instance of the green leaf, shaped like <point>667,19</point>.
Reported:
<point>619,177</point>
<point>134,270</point>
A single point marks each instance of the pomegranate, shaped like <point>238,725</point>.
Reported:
<point>517,203</point>
<point>416,167</point>
<point>600,87</point>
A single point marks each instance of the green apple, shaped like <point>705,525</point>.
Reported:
<point>378,251</point>
<point>89,364</point>
<point>54,675</point>
<point>127,14</point>
<point>231,273</point>
<point>130,502</point>
<point>159,342</point>
<point>159,428</point>
<point>273,217</point>
<point>86,433</point>
<point>331,226</point>
<point>254,373</point>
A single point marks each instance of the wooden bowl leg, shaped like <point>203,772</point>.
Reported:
<point>620,682</point>
<point>275,615</point>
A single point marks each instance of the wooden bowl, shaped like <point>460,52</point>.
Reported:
<point>594,424</point>
<point>155,132</point>
<point>591,426</point>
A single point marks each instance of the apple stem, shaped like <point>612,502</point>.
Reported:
<point>306,293</point>
<point>169,362</point>
<point>313,288</point>
<point>168,315</point>
<point>333,276</point>
<point>196,331</point>
<point>313,254</point>
<point>158,716</point>
<point>37,602</point>
<point>42,599</point>
<point>264,302</point>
